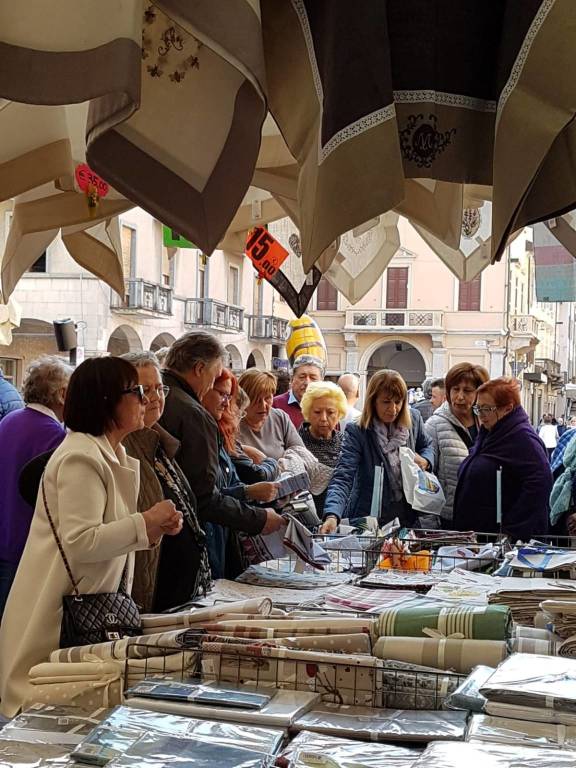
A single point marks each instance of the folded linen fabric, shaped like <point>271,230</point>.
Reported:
<point>390,579</point>
<point>561,614</point>
<point>469,558</point>
<point>153,623</point>
<point>455,754</point>
<point>449,654</point>
<point>225,590</point>
<point>362,599</point>
<point>534,632</point>
<point>534,645</point>
<point>106,692</point>
<point>534,681</point>
<point>142,646</point>
<point>567,649</point>
<point>524,595</point>
<point>355,643</point>
<point>281,712</point>
<point>413,686</point>
<point>292,627</point>
<point>261,576</point>
<point>412,619</point>
<point>542,558</point>
<point>308,748</point>
<point>368,724</point>
<point>342,677</point>
<point>295,537</point>
<point>502,730</point>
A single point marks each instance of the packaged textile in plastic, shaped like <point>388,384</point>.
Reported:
<point>502,730</point>
<point>223,696</point>
<point>311,749</point>
<point>155,750</point>
<point>369,724</point>
<point>105,743</point>
<point>536,714</point>
<point>529,680</point>
<point>264,740</point>
<point>413,686</point>
<point>467,696</point>
<point>283,709</point>
<point>454,754</point>
<point>45,724</point>
<point>21,754</point>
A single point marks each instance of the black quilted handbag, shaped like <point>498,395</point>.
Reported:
<point>90,619</point>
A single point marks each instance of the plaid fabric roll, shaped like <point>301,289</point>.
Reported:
<point>490,622</point>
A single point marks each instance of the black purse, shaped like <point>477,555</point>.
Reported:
<point>97,618</point>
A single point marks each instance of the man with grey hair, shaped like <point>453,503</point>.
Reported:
<point>25,434</point>
<point>349,383</point>
<point>305,369</point>
<point>192,365</point>
<point>434,395</point>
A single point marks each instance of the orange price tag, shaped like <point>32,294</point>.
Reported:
<point>265,252</point>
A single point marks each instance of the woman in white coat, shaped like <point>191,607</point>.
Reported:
<point>91,490</point>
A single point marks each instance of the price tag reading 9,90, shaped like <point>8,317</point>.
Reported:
<point>265,252</point>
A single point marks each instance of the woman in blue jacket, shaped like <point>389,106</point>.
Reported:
<point>387,424</point>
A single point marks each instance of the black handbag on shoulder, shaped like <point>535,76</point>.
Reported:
<point>97,618</point>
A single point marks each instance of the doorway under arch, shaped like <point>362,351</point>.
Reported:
<point>256,360</point>
<point>162,340</point>
<point>122,340</point>
<point>234,361</point>
<point>400,356</point>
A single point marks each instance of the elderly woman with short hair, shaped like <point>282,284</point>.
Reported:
<point>323,405</point>
<point>178,570</point>
<point>25,434</point>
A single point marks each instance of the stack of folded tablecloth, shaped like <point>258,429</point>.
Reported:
<point>532,687</point>
<point>522,733</point>
<point>455,754</point>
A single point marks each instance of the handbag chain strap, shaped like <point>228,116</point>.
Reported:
<point>60,547</point>
<point>123,578</point>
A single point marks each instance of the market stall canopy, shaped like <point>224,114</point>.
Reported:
<point>467,96</point>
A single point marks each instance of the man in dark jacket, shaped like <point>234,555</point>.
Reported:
<point>10,400</point>
<point>191,366</point>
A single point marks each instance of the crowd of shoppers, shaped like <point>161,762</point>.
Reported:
<point>154,472</point>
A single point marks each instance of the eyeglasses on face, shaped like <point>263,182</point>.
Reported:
<point>479,410</point>
<point>159,389</point>
<point>224,396</point>
<point>136,390</point>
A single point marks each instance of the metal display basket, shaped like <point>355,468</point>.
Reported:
<point>377,684</point>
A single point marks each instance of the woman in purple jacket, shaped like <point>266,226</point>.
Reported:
<point>508,441</point>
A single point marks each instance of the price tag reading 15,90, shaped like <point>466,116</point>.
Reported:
<point>265,252</point>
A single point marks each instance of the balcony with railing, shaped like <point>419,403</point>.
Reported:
<point>143,297</point>
<point>217,315</point>
<point>523,333</point>
<point>267,328</point>
<point>413,320</point>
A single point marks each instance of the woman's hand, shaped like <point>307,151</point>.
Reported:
<point>162,518</point>
<point>274,522</point>
<point>422,463</point>
<point>262,491</point>
<point>329,525</point>
<point>253,453</point>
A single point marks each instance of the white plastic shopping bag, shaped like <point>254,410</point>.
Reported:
<point>422,489</point>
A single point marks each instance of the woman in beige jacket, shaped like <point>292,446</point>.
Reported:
<point>91,489</point>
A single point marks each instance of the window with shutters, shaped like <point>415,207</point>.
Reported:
<point>128,239</point>
<point>326,295</point>
<point>469,295</point>
<point>397,288</point>
<point>233,285</point>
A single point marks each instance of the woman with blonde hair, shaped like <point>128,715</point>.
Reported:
<point>386,425</point>
<point>323,405</point>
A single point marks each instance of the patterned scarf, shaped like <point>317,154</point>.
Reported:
<point>174,486</point>
<point>390,439</point>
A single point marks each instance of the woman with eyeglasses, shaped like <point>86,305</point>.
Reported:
<point>178,570</point>
<point>506,442</point>
<point>89,489</point>
<point>217,401</point>
<point>453,428</point>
